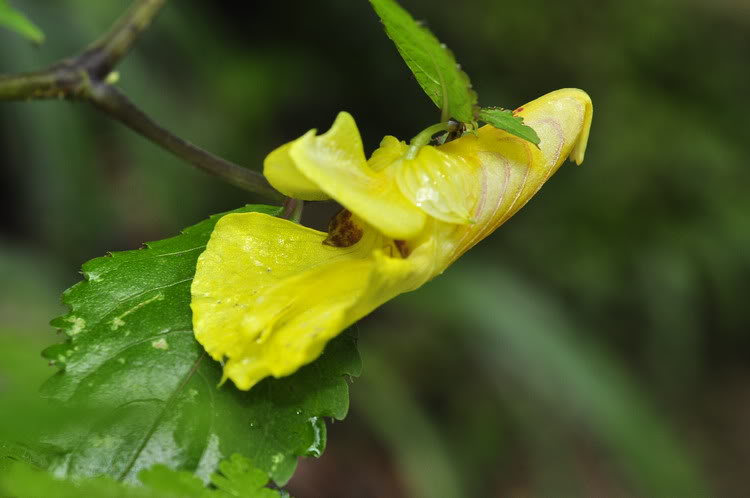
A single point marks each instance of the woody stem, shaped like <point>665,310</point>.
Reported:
<point>85,77</point>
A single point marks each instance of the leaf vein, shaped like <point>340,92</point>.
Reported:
<point>160,417</point>
<point>122,301</point>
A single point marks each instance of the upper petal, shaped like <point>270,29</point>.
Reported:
<point>391,150</point>
<point>336,163</point>
<point>442,185</point>
<point>281,172</point>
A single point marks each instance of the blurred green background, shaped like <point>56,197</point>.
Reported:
<point>595,345</point>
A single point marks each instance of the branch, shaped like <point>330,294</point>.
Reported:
<point>114,103</point>
<point>84,78</point>
<point>104,54</point>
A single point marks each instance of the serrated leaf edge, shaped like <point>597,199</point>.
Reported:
<point>69,323</point>
<point>512,115</point>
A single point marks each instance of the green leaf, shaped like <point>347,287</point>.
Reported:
<point>38,455</point>
<point>168,482</point>
<point>505,120</point>
<point>131,348</point>
<point>16,21</point>
<point>431,62</point>
<point>19,480</point>
<point>238,479</point>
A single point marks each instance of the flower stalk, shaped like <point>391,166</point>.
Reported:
<point>424,137</point>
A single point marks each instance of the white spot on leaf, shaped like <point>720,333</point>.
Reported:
<point>160,344</point>
<point>93,276</point>
<point>276,460</point>
<point>78,325</point>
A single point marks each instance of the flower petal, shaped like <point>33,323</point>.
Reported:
<point>443,185</point>
<point>391,150</point>
<point>281,172</point>
<point>562,119</point>
<point>336,163</point>
<point>268,294</point>
<point>511,170</point>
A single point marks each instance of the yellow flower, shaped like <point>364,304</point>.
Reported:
<point>268,294</point>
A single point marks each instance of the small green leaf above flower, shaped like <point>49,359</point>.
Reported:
<point>432,63</point>
<point>16,21</point>
<point>506,120</point>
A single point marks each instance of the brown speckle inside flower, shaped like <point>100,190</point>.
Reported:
<point>343,231</point>
<point>403,249</point>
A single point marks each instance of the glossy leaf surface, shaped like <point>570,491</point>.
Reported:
<point>131,351</point>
